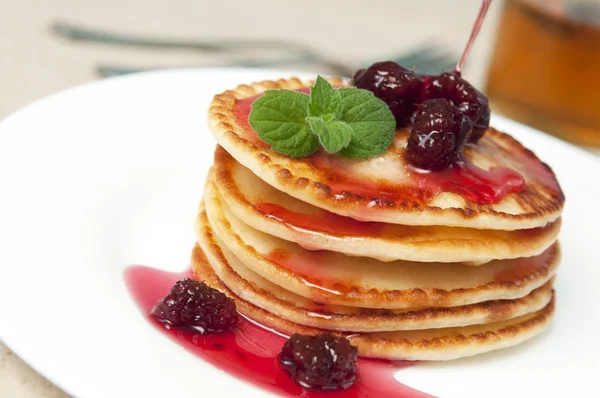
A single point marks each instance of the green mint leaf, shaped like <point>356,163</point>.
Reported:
<point>304,146</point>
<point>333,136</point>
<point>348,121</point>
<point>340,135</point>
<point>371,121</point>
<point>278,117</point>
<point>317,125</point>
<point>324,99</point>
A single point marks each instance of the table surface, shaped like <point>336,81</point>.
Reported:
<point>37,63</point>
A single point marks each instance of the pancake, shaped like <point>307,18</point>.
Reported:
<point>255,289</point>
<point>333,278</point>
<point>276,213</point>
<point>429,345</point>
<point>382,188</point>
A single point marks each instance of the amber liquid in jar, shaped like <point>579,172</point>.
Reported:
<point>545,70</point>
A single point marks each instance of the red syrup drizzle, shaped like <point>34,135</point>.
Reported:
<point>322,222</point>
<point>249,352</point>
<point>525,266</point>
<point>463,178</point>
<point>471,182</point>
<point>311,267</point>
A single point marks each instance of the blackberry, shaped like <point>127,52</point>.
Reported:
<point>462,94</point>
<point>322,362</point>
<point>439,133</point>
<point>398,87</point>
<point>193,303</point>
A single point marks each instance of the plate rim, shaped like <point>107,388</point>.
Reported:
<point>8,332</point>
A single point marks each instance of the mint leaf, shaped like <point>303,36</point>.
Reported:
<point>333,136</point>
<point>317,125</point>
<point>371,121</point>
<point>278,117</point>
<point>348,121</point>
<point>324,99</point>
<point>304,146</point>
<point>340,134</point>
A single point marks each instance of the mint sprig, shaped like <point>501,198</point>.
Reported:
<point>348,121</point>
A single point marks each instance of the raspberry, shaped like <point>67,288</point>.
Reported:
<point>398,87</point>
<point>439,133</point>
<point>322,362</point>
<point>193,303</point>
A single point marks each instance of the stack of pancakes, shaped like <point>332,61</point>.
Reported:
<point>361,248</point>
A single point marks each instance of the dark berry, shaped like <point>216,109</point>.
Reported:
<point>322,362</point>
<point>483,122</point>
<point>193,303</point>
<point>398,87</point>
<point>439,133</point>
<point>461,93</point>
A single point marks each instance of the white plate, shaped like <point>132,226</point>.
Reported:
<point>109,174</point>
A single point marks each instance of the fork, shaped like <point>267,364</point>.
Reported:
<point>429,57</point>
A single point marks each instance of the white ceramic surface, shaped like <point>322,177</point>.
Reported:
<point>109,174</point>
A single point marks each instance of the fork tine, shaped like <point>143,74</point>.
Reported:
<point>111,71</point>
<point>337,69</point>
<point>91,35</point>
<point>299,50</point>
<point>73,32</point>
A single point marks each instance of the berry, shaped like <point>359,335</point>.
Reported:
<point>462,94</point>
<point>193,303</point>
<point>322,362</point>
<point>439,133</point>
<point>398,87</point>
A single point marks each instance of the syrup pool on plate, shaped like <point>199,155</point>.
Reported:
<point>249,352</point>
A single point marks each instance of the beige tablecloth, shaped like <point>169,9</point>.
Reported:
<point>36,63</point>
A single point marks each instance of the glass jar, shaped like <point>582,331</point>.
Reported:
<point>545,69</point>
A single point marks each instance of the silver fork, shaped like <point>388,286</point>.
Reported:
<point>429,57</point>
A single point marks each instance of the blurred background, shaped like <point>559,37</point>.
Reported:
<point>538,60</point>
<point>41,54</point>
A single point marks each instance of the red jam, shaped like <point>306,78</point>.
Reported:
<point>311,268</point>
<point>526,266</point>
<point>241,111</point>
<point>250,351</point>
<point>471,182</point>
<point>324,221</point>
